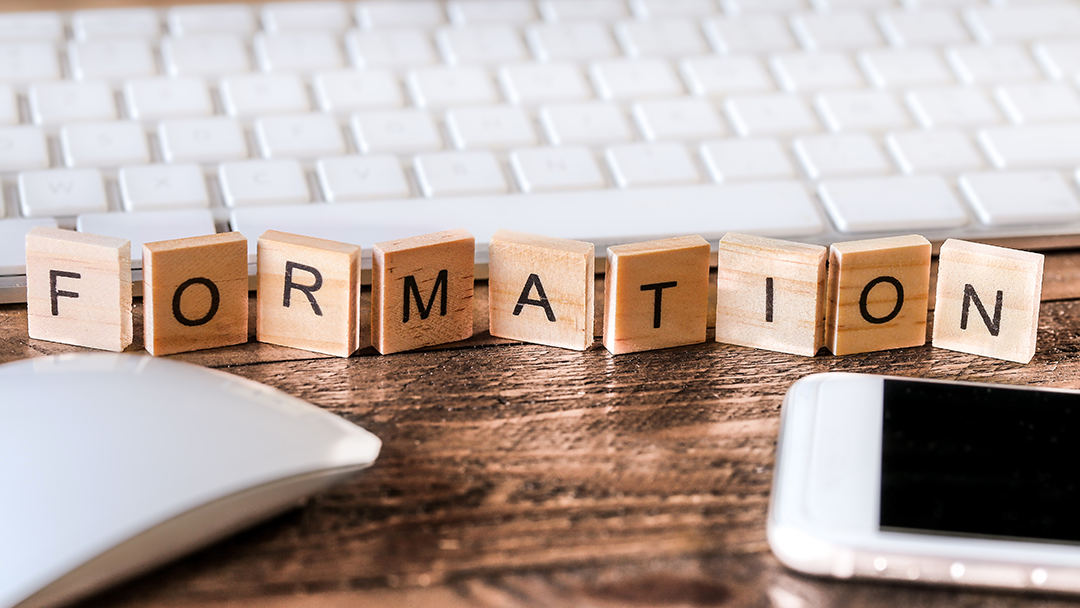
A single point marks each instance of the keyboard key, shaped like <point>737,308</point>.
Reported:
<point>751,7</point>
<point>480,44</point>
<point>390,49</point>
<point>636,165</point>
<point>248,95</point>
<point>934,151</point>
<point>23,147</point>
<point>148,227</point>
<point>104,144</point>
<point>459,173</point>
<point>951,107</point>
<point>661,38</point>
<point>1041,102</point>
<point>23,62</point>
<point>719,76</point>
<point>585,123</point>
<point>843,5</point>
<point>57,192</point>
<point>583,10</point>
<point>626,79</point>
<point>490,127</point>
<point>53,103</point>
<point>357,178</point>
<point>776,114</point>
<point>1060,58</point>
<point>835,31</point>
<point>13,242</point>
<point>464,12</point>
<point>536,83</point>
<point>373,14</point>
<point>923,28</point>
<point>571,41</point>
<point>438,87</point>
<point>263,182</point>
<point>297,52</point>
<point>982,64</point>
<point>305,16</point>
<point>299,136</point>
<point>210,55</point>
<point>861,111</point>
<point>111,59</point>
<point>554,169</point>
<point>668,119</point>
<point>160,97</point>
<point>1009,199</point>
<point>750,34</point>
<point>891,204</point>
<point>161,187</point>
<point>211,19</point>
<point>115,23</point>
<point>813,71</point>
<point>201,140</point>
<point>659,9</point>
<point>9,105</point>
<point>1024,23</point>
<point>44,26</point>
<point>827,156</point>
<point>347,90</point>
<point>1035,147</point>
<point>395,131</point>
<point>736,159</point>
<point>905,68</point>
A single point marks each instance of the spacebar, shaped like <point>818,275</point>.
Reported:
<point>604,217</point>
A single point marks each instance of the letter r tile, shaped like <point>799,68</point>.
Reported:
<point>422,291</point>
<point>656,294</point>
<point>309,293</point>
<point>988,300</point>
<point>195,293</point>
<point>878,292</point>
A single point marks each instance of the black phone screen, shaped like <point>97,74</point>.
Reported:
<point>979,461</point>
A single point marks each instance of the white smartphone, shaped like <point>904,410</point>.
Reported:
<point>943,482</point>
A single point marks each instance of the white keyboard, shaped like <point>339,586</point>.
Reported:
<point>605,120</point>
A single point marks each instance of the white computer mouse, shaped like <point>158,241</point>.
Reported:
<point>112,464</point>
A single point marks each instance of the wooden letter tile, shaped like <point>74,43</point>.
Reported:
<point>988,300</point>
<point>195,293</point>
<point>540,289</point>
<point>422,291</point>
<point>78,288</point>
<point>770,294</point>
<point>878,291</point>
<point>656,294</point>
<point>309,293</point>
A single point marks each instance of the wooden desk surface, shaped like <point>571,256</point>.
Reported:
<point>521,475</point>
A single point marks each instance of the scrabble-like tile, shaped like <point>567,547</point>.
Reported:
<point>770,294</point>
<point>656,294</point>
<point>540,289</point>
<point>78,288</point>
<point>195,293</point>
<point>309,293</point>
<point>878,291</point>
<point>422,291</point>
<point>988,300</point>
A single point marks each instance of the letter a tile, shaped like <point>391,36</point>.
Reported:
<point>656,294</point>
<point>540,289</point>
<point>988,300</point>
<point>78,288</point>
<point>770,294</point>
<point>878,291</point>
<point>422,291</point>
<point>309,293</point>
<point>195,293</point>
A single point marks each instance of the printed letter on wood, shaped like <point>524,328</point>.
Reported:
<point>770,294</point>
<point>195,293</point>
<point>78,288</point>
<point>540,289</point>
<point>422,291</point>
<point>309,293</point>
<point>988,300</point>
<point>878,291</point>
<point>656,294</point>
